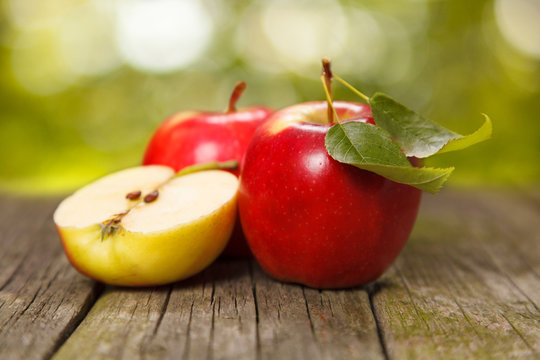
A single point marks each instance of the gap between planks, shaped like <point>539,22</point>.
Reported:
<point>463,287</point>
<point>42,299</point>
<point>469,265</point>
<point>231,310</point>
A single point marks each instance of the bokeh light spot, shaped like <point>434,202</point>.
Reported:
<point>304,32</point>
<point>163,35</point>
<point>85,38</point>
<point>38,65</point>
<point>36,14</point>
<point>519,23</point>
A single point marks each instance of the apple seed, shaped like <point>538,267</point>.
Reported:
<point>134,195</point>
<point>151,197</point>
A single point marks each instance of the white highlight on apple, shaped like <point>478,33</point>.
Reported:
<point>206,151</point>
<point>163,35</point>
<point>315,162</point>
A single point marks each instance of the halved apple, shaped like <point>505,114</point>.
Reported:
<point>144,226</point>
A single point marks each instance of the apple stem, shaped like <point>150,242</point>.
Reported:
<point>331,110</point>
<point>352,88</point>
<point>211,165</point>
<point>326,77</point>
<point>236,94</point>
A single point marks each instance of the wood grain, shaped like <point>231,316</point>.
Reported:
<point>233,310</point>
<point>466,285</point>
<point>209,316</point>
<point>302,323</point>
<point>42,299</point>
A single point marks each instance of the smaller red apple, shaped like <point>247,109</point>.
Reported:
<point>193,137</point>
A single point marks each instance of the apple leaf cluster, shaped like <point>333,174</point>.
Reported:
<point>370,148</point>
<point>399,133</point>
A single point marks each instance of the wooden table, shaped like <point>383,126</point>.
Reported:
<point>467,285</point>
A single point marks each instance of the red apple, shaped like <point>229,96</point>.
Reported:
<point>193,137</point>
<point>312,220</point>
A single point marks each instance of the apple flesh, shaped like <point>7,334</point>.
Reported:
<point>312,220</point>
<point>192,137</point>
<point>152,238</point>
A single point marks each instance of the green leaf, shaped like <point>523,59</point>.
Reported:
<point>426,178</point>
<point>370,148</point>
<point>417,136</point>
<point>483,133</point>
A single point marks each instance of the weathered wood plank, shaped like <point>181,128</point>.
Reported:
<point>117,325</point>
<point>209,316</point>
<point>222,323</point>
<point>234,334</point>
<point>302,323</point>
<point>285,329</point>
<point>41,297</point>
<point>214,315</point>
<point>343,324</point>
<point>466,285</point>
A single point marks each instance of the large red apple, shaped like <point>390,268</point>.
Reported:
<point>312,220</point>
<point>193,137</point>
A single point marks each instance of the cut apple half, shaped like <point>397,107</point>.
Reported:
<point>144,226</point>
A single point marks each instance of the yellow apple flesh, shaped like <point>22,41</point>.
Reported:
<point>151,243</point>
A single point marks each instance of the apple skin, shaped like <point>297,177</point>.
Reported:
<point>312,220</point>
<point>187,138</point>
<point>142,260</point>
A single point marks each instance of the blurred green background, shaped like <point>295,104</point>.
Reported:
<point>84,83</point>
